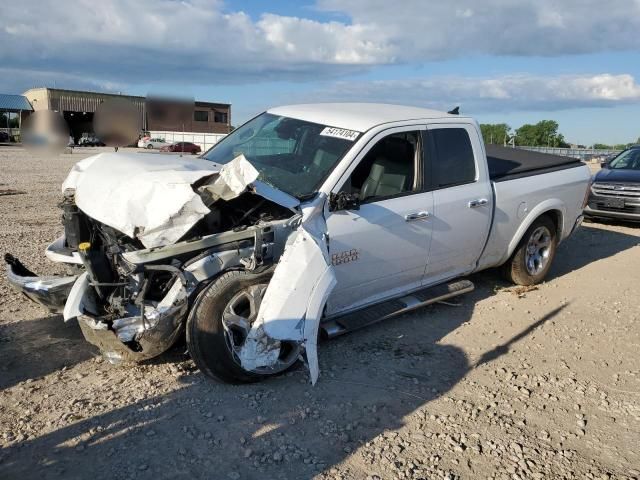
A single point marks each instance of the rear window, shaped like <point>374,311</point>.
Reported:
<point>455,163</point>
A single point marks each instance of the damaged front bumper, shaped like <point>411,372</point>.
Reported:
<point>130,339</point>
<point>149,344</point>
<point>50,291</point>
<point>145,334</point>
<point>132,302</point>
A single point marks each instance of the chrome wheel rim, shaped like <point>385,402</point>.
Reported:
<point>238,317</point>
<point>538,251</point>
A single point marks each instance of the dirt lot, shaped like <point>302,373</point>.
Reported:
<point>505,383</point>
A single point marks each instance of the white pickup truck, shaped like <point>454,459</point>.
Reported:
<point>306,220</point>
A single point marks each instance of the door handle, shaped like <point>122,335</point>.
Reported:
<point>478,203</point>
<point>410,217</point>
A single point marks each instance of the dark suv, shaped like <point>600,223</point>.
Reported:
<point>615,191</point>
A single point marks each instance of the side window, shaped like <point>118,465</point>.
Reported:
<point>201,116</point>
<point>388,169</point>
<point>455,163</point>
<point>220,117</point>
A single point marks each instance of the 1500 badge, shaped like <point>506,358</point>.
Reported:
<point>345,257</point>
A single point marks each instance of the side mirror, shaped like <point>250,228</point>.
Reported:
<point>344,201</point>
<point>604,164</point>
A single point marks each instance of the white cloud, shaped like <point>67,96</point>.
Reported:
<point>295,39</point>
<point>195,41</point>
<point>205,42</point>
<point>423,30</point>
<point>476,95</point>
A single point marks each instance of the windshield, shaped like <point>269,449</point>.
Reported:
<point>292,155</point>
<point>629,160</point>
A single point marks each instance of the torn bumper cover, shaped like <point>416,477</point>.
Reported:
<point>50,291</point>
<point>139,337</point>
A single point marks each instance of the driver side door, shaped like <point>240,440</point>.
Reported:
<point>381,250</point>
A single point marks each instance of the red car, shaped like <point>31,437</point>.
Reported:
<point>186,147</point>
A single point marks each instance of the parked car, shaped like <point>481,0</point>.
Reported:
<point>307,220</point>
<point>90,140</point>
<point>615,190</point>
<point>186,147</point>
<point>151,143</point>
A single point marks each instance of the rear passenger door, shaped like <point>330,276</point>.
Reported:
<point>462,198</point>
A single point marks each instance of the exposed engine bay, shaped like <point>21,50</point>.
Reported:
<point>144,257</point>
<point>131,297</point>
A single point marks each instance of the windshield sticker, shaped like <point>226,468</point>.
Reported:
<point>350,135</point>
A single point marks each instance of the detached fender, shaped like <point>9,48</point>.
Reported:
<point>317,301</point>
<point>295,298</point>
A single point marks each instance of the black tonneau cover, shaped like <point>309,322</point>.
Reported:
<point>506,163</point>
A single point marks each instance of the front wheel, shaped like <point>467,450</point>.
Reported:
<point>219,323</point>
<point>149,147</point>
<point>532,259</point>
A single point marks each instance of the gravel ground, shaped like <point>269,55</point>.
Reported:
<point>504,383</point>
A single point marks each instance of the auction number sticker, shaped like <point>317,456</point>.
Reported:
<point>350,135</point>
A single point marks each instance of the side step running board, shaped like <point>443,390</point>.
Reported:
<point>376,313</point>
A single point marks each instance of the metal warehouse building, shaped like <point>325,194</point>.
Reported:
<point>78,108</point>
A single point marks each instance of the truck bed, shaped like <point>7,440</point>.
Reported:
<point>506,163</point>
<point>525,191</point>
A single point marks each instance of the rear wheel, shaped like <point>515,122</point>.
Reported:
<point>532,259</point>
<point>150,147</point>
<point>219,323</point>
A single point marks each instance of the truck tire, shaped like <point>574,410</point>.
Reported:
<point>219,321</point>
<point>533,256</point>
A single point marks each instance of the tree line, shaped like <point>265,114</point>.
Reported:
<point>543,134</point>
<point>619,146</point>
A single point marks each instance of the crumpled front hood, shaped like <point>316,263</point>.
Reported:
<point>145,196</point>
<point>150,196</point>
<point>121,166</point>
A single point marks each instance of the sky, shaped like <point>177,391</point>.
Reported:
<point>513,61</point>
